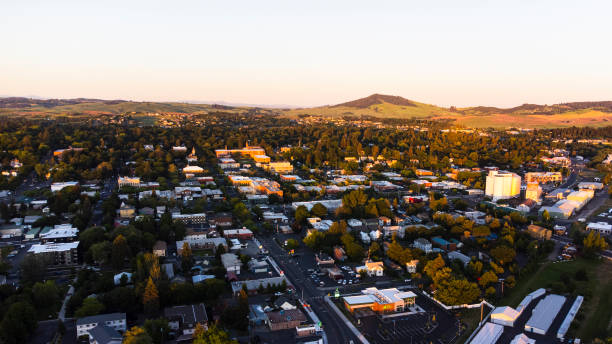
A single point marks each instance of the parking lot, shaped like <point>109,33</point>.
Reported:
<point>434,324</point>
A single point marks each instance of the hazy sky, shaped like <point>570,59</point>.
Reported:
<point>304,53</point>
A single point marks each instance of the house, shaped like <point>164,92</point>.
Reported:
<point>115,321</point>
<point>371,268</point>
<point>538,232</point>
<point>411,266</point>
<point>444,244</point>
<point>390,231</point>
<point>221,220</point>
<point>104,335</point>
<point>126,211</point>
<point>283,320</point>
<point>184,319</point>
<point>159,249</point>
<point>423,245</point>
<point>231,263</point>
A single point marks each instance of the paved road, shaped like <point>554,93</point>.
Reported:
<point>337,332</point>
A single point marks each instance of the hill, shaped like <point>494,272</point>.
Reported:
<point>595,113</point>
<point>598,113</point>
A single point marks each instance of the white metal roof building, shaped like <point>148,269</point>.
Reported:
<point>544,314</point>
<point>569,317</point>
<point>504,316</point>
<point>521,338</point>
<point>488,334</point>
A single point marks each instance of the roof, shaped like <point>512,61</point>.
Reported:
<point>521,338</point>
<point>488,334</point>
<point>359,299</point>
<point>286,316</point>
<point>53,247</point>
<point>188,314</point>
<point>101,318</point>
<point>545,312</point>
<point>505,313</point>
<point>103,334</point>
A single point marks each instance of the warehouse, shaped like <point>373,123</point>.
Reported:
<point>544,314</point>
<point>504,316</point>
<point>488,334</point>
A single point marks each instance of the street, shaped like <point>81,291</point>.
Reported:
<point>335,329</point>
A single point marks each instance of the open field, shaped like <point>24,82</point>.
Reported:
<point>596,311</point>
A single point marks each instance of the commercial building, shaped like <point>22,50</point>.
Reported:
<point>128,181</point>
<point>504,315</point>
<point>502,185</point>
<point>488,334</point>
<point>242,233</point>
<point>285,319</point>
<point>601,227</point>
<point>192,169</point>
<point>381,301</point>
<point>279,167</point>
<point>331,204</point>
<point>251,151</point>
<point>533,192</point>
<point>253,285</point>
<point>562,209</point>
<point>58,253</point>
<point>544,314</point>
<point>59,233</point>
<point>231,263</point>
<point>590,185</point>
<point>190,218</point>
<point>55,187</point>
<point>543,177</point>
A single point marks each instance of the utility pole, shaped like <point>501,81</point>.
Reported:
<point>481,309</point>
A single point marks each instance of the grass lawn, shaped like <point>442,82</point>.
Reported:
<point>471,318</point>
<point>596,311</point>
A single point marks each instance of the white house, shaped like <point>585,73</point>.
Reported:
<point>371,268</point>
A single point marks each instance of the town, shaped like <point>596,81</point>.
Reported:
<point>263,229</point>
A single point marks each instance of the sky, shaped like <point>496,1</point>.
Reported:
<point>308,53</point>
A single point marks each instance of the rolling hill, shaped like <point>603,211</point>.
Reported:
<point>526,115</point>
<point>376,105</point>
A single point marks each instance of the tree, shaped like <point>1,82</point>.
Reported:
<point>33,268</point>
<point>487,278</point>
<point>503,254</point>
<point>18,323</point>
<point>150,298</point>
<point>292,244</point>
<point>434,265</point>
<point>214,335</point>
<point>157,329</point>
<point>100,252</point>
<point>45,294</point>
<point>120,251</point>
<point>456,292</point>
<point>594,243</point>
<point>91,306</point>
<point>301,214</point>
<point>137,335</point>
<point>318,210</point>
<point>186,257</point>
<point>314,240</point>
